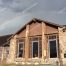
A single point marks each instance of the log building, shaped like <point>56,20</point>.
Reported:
<point>38,41</point>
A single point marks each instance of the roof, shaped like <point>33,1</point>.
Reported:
<point>38,20</point>
<point>3,39</point>
<point>35,20</point>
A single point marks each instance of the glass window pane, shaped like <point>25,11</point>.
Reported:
<point>53,51</point>
<point>35,49</point>
<point>20,53</point>
<point>20,45</point>
<point>21,49</point>
<point>65,55</point>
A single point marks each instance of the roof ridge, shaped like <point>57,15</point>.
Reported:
<point>35,19</point>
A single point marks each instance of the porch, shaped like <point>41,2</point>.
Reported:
<point>35,52</point>
<point>33,46</point>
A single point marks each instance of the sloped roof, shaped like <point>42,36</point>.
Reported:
<point>3,39</point>
<point>36,20</point>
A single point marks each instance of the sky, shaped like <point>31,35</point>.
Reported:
<point>15,13</point>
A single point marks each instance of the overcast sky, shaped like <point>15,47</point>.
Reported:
<point>15,13</point>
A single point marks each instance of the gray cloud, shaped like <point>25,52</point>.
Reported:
<point>12,8</point>
<point>16,5</point>
<point>7,2</point>
<point>14,12</point>
<point>50,5</point>
<point>15,24</point>
<point>46,5</point>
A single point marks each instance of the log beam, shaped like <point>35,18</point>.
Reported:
<point>27,43</point>
<point>44,49</point>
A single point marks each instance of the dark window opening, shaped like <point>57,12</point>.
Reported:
<point>35,49</point>
<point>65,55</point>
<point>53,49</point>
<point>37,41</point>
<point>21,49</point>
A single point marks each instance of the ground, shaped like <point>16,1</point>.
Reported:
<point>24,65</point>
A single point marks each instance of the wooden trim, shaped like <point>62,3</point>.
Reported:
<point>49,45</point>
<point>37,36</point>
<point>35,39</point>
<point>22,48</point>
<point>51,34</point>
<point>29,36</point>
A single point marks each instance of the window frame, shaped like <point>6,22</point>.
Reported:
<point>20,42</point>
<point>32,47</point>
<point>49,45</point>
<point>39,39</point>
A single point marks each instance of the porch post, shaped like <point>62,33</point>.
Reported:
<point>12,49</point>
<point>61,45</point>
<point>27,43</point>
<point>43,41</point>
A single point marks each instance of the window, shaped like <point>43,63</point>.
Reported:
<point>53,48</point>
<point>65,55</point>
<point>20,49</point>
<point>53,51</point>
<point>35,47</point>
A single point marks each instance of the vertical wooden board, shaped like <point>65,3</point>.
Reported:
<point>43,40</point>
<point>27,43</point>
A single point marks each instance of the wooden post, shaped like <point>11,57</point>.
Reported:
<point>43,41</point>
<point>27,43</point>
<point>60,45</point>
<point>12,49</point>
